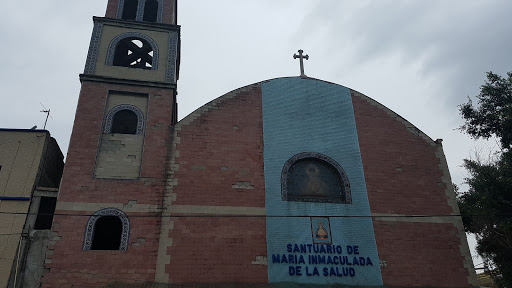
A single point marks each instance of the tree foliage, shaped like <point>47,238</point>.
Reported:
<point>487,205</point>
<point>493,116</point>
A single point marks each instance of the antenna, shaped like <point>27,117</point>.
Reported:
<point>47,111</point>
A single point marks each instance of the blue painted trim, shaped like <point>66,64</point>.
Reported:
<point>308,115</point>
<point>15,198</point>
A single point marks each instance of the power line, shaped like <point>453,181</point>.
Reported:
<point>184,215</point>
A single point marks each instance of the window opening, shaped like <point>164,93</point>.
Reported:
<point>134,53</point>
<point>130,9</point>
<point>107,233</point>
<point>125,119</point>
<point>150,11</point>
<point>125,122</point>
<point>45,214</point>
<point>110,224</point>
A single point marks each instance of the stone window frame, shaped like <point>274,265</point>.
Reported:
<point>318,156</point>
<point>110,118</point>
<point>91,223</point>
<point>140,11</point>
<point>109,61</point>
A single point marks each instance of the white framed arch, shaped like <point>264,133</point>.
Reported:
<point>91,223</point>
<point>110,118</point>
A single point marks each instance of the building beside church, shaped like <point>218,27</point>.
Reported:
<point>286,182</point>
<point>31,164</point>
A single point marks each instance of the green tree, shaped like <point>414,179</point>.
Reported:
<point>487,205</point>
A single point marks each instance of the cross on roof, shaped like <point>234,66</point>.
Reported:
<point>301,57</point>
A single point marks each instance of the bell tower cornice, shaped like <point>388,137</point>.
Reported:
<point>136,24</point>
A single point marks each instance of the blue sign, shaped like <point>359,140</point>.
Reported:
<point>315,242</point>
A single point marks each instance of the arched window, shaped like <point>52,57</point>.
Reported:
<point>314,177</point>
<point>124,119</point>
<point>133,50</point>
<point>107,229</point>
<point>129,9</point>
<point>124,122</point>
<point>134,53</point>
<point>151,11</point>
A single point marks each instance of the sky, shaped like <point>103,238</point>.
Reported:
<point>421,59</point>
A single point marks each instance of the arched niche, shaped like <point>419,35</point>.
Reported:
<point>314,177</point>
<point>133,50</point>
<point>112,122</point>
<point>109,213</point>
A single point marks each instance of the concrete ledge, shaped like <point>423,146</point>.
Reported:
<point>93,207</point>
<point>416,218</point>
<point>218,210</point>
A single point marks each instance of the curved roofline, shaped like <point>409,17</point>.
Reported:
<point>410,127</point>
<point>213,103</point>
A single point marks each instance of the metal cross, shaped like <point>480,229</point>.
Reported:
<point>301,57</point>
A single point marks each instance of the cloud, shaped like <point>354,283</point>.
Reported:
<point>457,41</point>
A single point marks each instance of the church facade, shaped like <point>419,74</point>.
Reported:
<point>289,181</point>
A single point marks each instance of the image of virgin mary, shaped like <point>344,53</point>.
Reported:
<point>321,233</point>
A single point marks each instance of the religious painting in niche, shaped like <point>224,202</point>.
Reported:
<point>133,52</point>
<point>313,177</point>
<point>321,230</point>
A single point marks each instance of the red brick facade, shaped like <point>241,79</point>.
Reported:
<point>398,163</point>
<point>220,148</point>
<point>420,254</point>
<point>78,183</point>
<point>404,176</point>
<point>67,262</point>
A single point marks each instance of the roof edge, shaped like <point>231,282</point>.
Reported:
<point>408,125</point>
<point>212,104</point>
<point>24,130</point>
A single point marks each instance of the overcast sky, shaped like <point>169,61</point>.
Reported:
<point>419,58</point>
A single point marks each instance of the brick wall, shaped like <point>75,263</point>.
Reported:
<point>399,164</point>
<point>220,167</point>
<point>211,192</point>
<point>218,250</point>
<point>111,9</point>
<point>420,254</point>
<point>404,176</point>
<point>79,185</point>
<point>223,147</point>
<point>82,194</point>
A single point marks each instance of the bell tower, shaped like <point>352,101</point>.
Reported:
<point>107,222</point>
